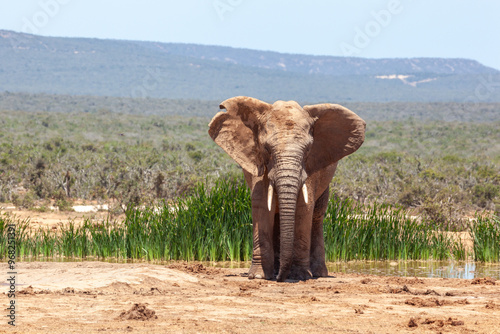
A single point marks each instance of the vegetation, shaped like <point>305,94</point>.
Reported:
<point>370,111</point>
<point>438,161</point>
<point>486,235</point>
<point>215,225</point>
<point>381,232</point>
<point>444,170</point>
<point>107,157</point>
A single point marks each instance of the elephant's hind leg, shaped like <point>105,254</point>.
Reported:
<point>318,265</point>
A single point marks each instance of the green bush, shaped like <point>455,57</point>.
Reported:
<point>25,201</point>
<point>485,193</point>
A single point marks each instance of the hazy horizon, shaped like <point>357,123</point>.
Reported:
<point>371,29</point>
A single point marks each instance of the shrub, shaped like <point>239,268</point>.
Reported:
<point>64,205</point>
<point>26,200</point>
<point>485,193</point>
<point>196,156</point>
<point>412,195</point>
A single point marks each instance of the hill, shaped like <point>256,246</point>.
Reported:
<point>81,66</point>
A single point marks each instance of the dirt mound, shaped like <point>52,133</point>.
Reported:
<point>302,300</point>
<point>432,323</point>
<point>484,280</point>
<point>196,268</point>
<point>434,302</point>
<point>138,312</point>
<point>492,306</point>
<point>32,291</point>
<point>424,302</point>
<point>405,280</point>
<point>117,288</point>
<point>405,289</point>
<point>250,285</point>
<point>68,290</point>
<point>27,291</point>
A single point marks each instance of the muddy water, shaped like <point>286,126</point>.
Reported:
<point>442,269</point>
<point>435,269</point>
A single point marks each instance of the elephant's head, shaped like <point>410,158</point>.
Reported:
<point>288,143</point>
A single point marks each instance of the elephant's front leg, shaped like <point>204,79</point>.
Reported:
<point>302,244</point>
<point>318,265</point>
<point>263,226</point>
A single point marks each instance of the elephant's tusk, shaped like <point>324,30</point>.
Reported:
<point>269,196</point>
<point>304,192</point>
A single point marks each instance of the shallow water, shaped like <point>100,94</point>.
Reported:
<point>436,269</point>
<point>442,269</point>
<point>439,269</point>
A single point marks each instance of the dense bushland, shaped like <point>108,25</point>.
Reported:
<point>443,170</point>
<point>369,111</point>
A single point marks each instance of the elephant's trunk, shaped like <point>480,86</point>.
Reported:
<point>287,185</point>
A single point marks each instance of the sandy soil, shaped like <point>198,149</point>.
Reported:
<point>97,297</point>
<point>54,219</point>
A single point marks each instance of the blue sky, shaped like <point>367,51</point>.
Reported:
<point>371,28</point>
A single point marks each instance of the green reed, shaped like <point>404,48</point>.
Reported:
<point>381,232</point>
<point>212,225</point>
<point>485,232</point>
<point>216,225</point>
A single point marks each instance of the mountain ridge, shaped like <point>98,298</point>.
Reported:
<point>89,66</point>
<point>275,61</point>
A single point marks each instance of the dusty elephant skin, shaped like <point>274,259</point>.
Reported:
<point>289,155</point>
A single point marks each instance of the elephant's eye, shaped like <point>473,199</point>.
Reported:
<point>309,146</point>
<point>267,148</point>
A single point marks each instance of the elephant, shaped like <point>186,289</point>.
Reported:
<point>289,155</point>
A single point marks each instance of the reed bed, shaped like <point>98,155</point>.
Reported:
<point>383,232</point>
<point>212,225</point>
<point>486,235</point>
<point>216,225</point>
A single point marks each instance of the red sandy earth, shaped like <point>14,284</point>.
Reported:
<point>97,297</point>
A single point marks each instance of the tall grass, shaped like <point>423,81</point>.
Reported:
<point>212,225</point>
<point>216,225</point>
<point>486,235</point>
<point>382,232</point>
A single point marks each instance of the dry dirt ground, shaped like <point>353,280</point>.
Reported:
<point>99,297</point>
<point>54,219</point>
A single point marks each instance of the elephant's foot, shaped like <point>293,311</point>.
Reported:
<point>300,273</point>
<point>318,269</point>
<point>276,266</point>
<point>257,271</point>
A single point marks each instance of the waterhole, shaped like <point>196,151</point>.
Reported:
<point>435,269</point>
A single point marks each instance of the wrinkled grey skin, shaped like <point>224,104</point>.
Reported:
<point>289,155</point>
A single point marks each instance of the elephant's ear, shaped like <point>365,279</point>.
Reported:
<point>236,131</point>
<point>337,133</point>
